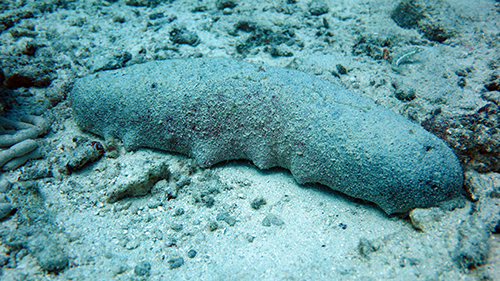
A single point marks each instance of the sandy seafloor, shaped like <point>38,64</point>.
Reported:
<point>199,224</point>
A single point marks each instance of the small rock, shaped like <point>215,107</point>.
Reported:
<point>136,180</point>
<point>408,261</point>
<point>223,4</point>
<point>52,259</point>
<point>318,8</point>
<point>272,220</point>
<point>122,206</point>
<point>34,172</point>
<point>403,95</point>
<point>183,181</point>
<point>30,48</point>
<point>492,86</point>
<point>5,210</point>
<point>183,36</point>
<point>22,32</point>
<point>120,269</point>
<point>142,3</point>
<point>278,52</point>
<point>119,19</point>
<point>84,154</point>
<point>407,14</point>
<point>436,33</point>
<point>366,247</point>
<point>246,25</point>
<point>497,228</point>
<point>473,185</point>
<point>472,249</point>
<point>4,198</point>
<point>227,218</point>
<point>493,96</point>
<point>422,219</point>
<point>143,269</point>
<point>30,76</point>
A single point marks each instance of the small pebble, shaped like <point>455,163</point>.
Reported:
<point>212,226</point>
<point>4,185</point>
<point>21,254</point>
<point>3,198</point>
<point>258,202</point>
<point>176,262</point>
<point>120,269</point>
<point>170,244</point>
<point>156,16</point>
<point>183,181</point>
<point>497,228</point>
<point>176,227</point>
<point>4,259</point>
<point>34,172</point>
<point>179,212</point>
<point>209,201</point>
<point>153,204</point>
<point>133,244</point>
<point>461,72</point>
<point>341,69</point>
<point>462,82</point>
<point>191,254</point>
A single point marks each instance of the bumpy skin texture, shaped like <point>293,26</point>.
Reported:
<point>217,109</point>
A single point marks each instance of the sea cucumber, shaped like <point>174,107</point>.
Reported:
<point>218,109</point>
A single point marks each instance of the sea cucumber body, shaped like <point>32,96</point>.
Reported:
<point>217,109</point>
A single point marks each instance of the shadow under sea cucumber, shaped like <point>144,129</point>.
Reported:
<point>218,109</point>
